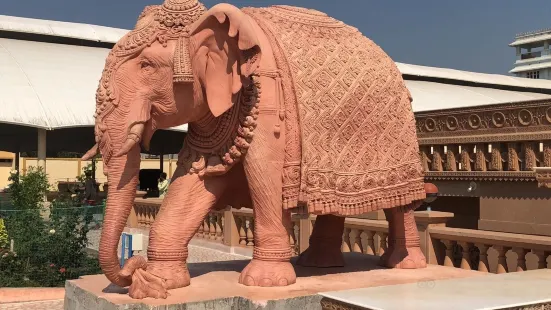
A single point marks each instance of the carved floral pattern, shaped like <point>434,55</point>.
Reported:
<point>527,121</point>
<point>357,150</point>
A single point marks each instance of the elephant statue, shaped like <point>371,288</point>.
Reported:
<point>289,110</point>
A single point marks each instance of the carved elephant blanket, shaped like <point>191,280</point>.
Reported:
<point>355,149</point>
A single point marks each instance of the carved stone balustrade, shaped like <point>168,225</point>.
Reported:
<point>453,247</point>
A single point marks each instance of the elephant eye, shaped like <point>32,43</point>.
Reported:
<point>145,64</point>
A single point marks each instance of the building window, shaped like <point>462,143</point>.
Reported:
<point>533,74</point>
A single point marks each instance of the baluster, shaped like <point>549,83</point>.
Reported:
<point>521,258</point>
<point>200,231</point>
<point>212,228</point>
<point>206,228</point>
<point>296,234</point>
<point>241,224</point>
<point>219,231</point>
<point>345,248</point>
<point>542,258</point>
<point>250,232</point>
<point>448,259</point>
<point>144,216</point>
<point>148,216</point>
<point>355,241</point>
<point>138,210</point>
<point>501,258</point>
<point>368,243</point>
<point>382,243</point>
<point>292,241</point>
<point>483,257</point>
<point>465,255</point>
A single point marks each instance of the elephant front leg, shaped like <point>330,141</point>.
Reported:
<point>325,243</point>
<point>186,204</point>
<point>404,250</point>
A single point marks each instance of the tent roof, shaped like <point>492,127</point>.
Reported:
<point>61,29</point>
<point>52,85</point>
<point>431,96</point>
<point>48,85</point>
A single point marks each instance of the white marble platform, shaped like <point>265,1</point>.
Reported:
<point>503,291</point>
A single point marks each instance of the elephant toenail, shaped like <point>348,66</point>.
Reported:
<point>249,281</point>
<point>283,282</point>
<point>266,282</point>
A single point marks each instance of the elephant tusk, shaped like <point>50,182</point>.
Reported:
<point>91,153</point>
<point>127,146</point>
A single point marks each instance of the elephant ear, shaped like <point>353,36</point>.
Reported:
<point>225,52</point>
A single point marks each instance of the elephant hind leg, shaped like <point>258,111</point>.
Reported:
<point>324,250</point>
<point>404,249</point>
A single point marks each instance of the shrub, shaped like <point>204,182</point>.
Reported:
<point>3,235</point>
<point>50,250</point>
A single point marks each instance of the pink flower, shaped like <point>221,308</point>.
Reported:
<point>62,269</point>
<point>52,265</point>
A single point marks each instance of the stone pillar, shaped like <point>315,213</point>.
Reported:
<point>465,158</point>
<point>425,221</point>
<point>519,51</point>
<point>529,156</point>
<point>305,230</point>
<point>512,157</point>
<point>231,232</point>
<point>41,156</point>
<point>451,161</point>
<point>547,154</point>
<point>437,160</point>
<point>480,158</point>
<point>161,162</point>
<point>546,47</point>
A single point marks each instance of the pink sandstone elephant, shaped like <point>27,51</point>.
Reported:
<point>289,110</point>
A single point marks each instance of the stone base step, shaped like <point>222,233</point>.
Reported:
<point>518,290</point>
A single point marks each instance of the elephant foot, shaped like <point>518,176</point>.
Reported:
<point>157,278</point>
<point>320,257</point>
<point>267,274</point>
<point>404,258</point>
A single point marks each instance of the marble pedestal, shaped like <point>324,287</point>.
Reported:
<point>527,290</point>
<point>215,286</point>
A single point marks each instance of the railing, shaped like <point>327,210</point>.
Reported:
<point>467,249</point>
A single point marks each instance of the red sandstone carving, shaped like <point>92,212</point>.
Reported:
<point>288,109</point>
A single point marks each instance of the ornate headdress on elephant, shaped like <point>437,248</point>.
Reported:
<point>179,20</point>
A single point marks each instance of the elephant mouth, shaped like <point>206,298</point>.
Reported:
<point>133,139</point>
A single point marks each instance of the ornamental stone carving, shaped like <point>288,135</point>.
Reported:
<point>503,123</point>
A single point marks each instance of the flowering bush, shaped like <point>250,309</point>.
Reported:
<point>49,250</point>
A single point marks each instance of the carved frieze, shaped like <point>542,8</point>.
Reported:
<point>512,176</point>
<point>543,176</point>
<point>529,120</point>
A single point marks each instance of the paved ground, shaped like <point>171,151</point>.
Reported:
<point>41,305</point>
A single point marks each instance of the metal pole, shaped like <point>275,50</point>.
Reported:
<point>42,148</point>
<point>162,164</point>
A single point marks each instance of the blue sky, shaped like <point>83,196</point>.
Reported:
<point>468,34</point>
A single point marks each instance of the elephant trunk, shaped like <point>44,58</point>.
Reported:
<point>122,179</point>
